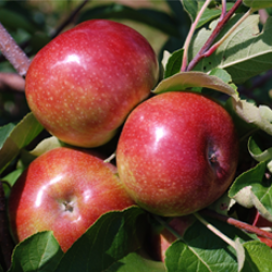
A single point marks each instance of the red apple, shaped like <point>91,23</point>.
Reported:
<point>179,225</point>
<point>66,191</point>
<point>177,153</point>
<point>83,84</point>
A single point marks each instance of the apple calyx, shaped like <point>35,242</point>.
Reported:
<point>68,206</point>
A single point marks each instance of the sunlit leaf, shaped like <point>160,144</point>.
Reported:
<point>211,14</point>
<point>174,63</point>
<point>40,252</point>
<point>246,53</point>
<point>204,251</point>
<point>240,251</point>
<point>18,137</point>
<point>254,115</point>
<point>46,145</point>
<point>258,257</point>
<point>185,80</point>
<point>251,189</point>
<point>258,4</point>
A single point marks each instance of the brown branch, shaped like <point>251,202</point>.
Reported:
<point>237,223</point>
<point>13,53</point>
<point>12,81</point>
<point>68,20</point>
<point>16,56</point>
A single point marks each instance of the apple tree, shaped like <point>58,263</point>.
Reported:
<point>215,50</point>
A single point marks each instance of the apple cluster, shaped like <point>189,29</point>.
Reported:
<point>177,152</point>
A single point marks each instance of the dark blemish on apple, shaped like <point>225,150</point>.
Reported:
<point>204,68</point>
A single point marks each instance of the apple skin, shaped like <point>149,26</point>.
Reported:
<point>66,191</point>
<point>177,153</point>
<point>82,85</point>
<point>179,225</point>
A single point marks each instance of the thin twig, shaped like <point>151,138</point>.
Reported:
<point>218,43</point>
<point>224,10</point>
<point>190,35</point>
<point>13,53</point>
<point>68,20</point>
<point>166,225</point>
<point>237,223</point>
<point>213,36</point>
<point>110,158</point>
<point>215,230</point>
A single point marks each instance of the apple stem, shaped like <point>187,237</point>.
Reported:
<point>215,230</point>
<point>110,158</point>
<point>237,223</point>
<point>222,22</point>
<point>13,53</point>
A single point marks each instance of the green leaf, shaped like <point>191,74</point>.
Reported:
<point>191,7</point>
<point>222,74</point>
<point>211,14</point>
<point>46,145</point>
<point>14,21</point>
<point>256,152</point>
<point>253,175</point>
<point>10,179</point>
<point>154,18</point>
<point>134,262</point>
<point>258,4</point>
<point>258,257</point>
<point>40,252</point>
<point>174,63</point>
<point>251,189</point>
<point>204,251</point>
<point>177,9</point>
<point>186,80</point>
<point>259,116</point>
<point>15,138</point>
<point>110,239</point>
<point>240,251</point>
<point>246,53</point>
<point>5,132</point>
